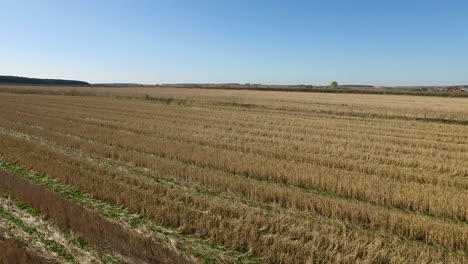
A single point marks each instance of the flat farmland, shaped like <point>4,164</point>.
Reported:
<point>225,176</point>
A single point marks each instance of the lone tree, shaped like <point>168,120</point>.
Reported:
<point>334,85</point>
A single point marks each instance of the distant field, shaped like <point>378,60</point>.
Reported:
<point>132,89</point>
<point>230,176</point>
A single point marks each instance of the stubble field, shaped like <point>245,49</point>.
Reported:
<point>223,176</point>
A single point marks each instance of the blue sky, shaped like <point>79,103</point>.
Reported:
<point>376,42</point>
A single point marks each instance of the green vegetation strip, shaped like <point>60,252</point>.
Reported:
<point>131,219</point>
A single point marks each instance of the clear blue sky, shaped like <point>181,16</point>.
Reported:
<point>380,42</point>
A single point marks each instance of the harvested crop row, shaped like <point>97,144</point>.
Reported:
<point>405,155</point>
<point>334,156</point>
<point>418,227</point>
<point>386,105</point>
<point>376,152</point>
<point>150,110</point>
<point>441,202</point>
<point>266,223</point>
<point>283,119</point>
<point>271,173</point>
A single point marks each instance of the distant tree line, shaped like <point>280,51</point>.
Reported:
<point>24,80</point>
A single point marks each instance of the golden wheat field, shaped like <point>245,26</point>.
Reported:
<point>226,176</point>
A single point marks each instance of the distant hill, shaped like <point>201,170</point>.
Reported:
<point>24,80</point>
